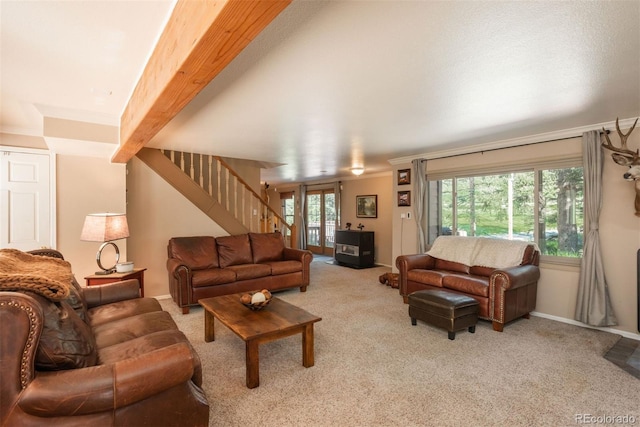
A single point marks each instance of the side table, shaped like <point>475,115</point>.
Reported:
<point>101,279</point>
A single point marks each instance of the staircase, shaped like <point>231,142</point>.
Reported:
<point>218,191</point>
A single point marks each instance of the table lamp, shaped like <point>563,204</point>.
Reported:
<point>105,227</point>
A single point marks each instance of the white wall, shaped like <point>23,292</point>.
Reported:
<point>87,185</point>
<point>156,212</point>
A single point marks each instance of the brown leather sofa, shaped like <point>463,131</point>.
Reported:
<point>205,266</point>
<point>98,356</point>
<point>504,293</point>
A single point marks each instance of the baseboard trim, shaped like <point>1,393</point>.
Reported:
<point>576,323</point>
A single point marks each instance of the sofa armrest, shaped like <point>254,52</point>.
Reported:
<point>514,277</point>
<point>305,257</point>
<point>107,387</point>
<point>512,293</point>
<point>410,262</point>
<point>301,255</point>
<point>111,292</point>
<point>175,267</point>
<point>180,276</point>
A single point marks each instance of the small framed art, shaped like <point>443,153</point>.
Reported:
<point>367,206</point>
<point>404,198</point>
<point>404,176</point>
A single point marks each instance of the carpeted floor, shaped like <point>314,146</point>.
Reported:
<point>372,368</point>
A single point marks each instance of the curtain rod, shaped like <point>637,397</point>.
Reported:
<point>515,142</point>
<point>323,183</point>
<point>505,148</point>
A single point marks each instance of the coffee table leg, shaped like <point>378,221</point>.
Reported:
<point>307,346</point>
<point>209,332</point>
<point>253,363</point>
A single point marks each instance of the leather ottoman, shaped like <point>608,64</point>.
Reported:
<point>443,309</point>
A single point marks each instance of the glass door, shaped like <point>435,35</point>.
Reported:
<point>321,221</point>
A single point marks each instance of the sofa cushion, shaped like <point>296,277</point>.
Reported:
<point>473,285</point>
<point>451,266</point>
<point>284,267</point>
<point>212,276</point>
<point>234,250</point>
<point>266,247</point>
<point>251,271</point>
<point>129,328</point>
<point>121,310</point>
<point>428,277</point>
<point>197,252</point>
<point>146,344</point>
<point>66,341</point>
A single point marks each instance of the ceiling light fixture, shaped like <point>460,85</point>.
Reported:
<point>357,171</point>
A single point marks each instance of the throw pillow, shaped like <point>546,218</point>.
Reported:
<point>66,341</point>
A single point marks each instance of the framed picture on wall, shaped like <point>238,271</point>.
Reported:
<point>404,176</point>
<point>404,198</point>
<point>367,206</point>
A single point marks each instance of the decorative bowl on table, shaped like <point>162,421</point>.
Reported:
<point>124,267</point>
<point>256,300</point>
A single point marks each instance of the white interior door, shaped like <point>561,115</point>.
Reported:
<point>25,199</point>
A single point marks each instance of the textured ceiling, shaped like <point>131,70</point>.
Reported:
<point>332,85</point>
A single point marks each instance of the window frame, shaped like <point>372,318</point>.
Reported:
<point>516,167</point>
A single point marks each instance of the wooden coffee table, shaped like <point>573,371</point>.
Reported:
<point>277,320</point>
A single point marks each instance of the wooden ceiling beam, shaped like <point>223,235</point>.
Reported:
<point>201,38</point>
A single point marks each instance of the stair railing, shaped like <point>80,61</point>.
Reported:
<point>231,191</point>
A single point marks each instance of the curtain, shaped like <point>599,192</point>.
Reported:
<point>593,305</point>
<point>337,192</point>
<point>302,229</point>
<point>419,171</point>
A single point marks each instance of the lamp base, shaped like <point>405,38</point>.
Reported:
<point>111,269</point>
<point>105,272</point>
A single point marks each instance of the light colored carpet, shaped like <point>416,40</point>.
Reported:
<point>373,368</point>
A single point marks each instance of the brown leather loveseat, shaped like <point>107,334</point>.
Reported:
<point>205,266</point>
<point>502,275</point>
<point>98,356</point>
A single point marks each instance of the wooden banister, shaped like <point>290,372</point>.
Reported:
<point>218,179</point>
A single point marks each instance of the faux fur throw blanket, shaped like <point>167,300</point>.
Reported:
<point>46,276</point>
<point>479,251</point>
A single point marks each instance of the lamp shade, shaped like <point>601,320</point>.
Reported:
<point>104,227</point>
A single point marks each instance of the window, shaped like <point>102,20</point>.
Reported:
<point>288,209</point>
<point>541,205</point>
